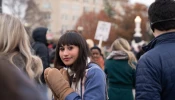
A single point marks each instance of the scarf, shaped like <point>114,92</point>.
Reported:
<point>117,55</point>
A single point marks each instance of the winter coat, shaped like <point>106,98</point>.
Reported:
<point>14,84</point>
<point>40,47</point>
<point>121,79</point>
<point>93,87</point>
<point>155,73</point>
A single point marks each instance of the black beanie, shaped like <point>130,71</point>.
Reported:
<point>162,14</point>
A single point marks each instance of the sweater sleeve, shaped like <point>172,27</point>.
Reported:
<point>148,85</point>
<point>95,86</point>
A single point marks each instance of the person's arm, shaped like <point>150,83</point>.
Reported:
<point>42,52</point>
<point>95,86</point>
<point>148,84</point>
<point>134,77</point>
<point>15,85</point>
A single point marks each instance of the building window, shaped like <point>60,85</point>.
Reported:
<point>49,27</point>
<point>46,6</point>
<point>76,8</point>
<point>74,18</point>
<point>86,9</point>
<point>64,27</point>
<point>85,0</point>
<point>97,10</point>
<point>95,1</point>
<point>64,17</point>
<point>64,6</point>
<point>47,16</point>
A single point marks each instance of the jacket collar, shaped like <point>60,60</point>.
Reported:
<point>163,38</point>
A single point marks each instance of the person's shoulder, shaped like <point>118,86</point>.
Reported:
<point>94,69</point>
<point>4,57</point>
<point>93,66</point>
<point>110,61</point>
<point>150,60</point>
<point>39,45</point>
<point>154,52</point>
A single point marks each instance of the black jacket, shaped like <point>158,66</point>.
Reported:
<point>155,73</point>
<point>40,47</point>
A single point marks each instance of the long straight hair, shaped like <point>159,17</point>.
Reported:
<point>79,66</point>
<point>123,45</point>
<point>15,40</point>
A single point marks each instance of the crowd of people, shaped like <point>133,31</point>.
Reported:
<point>81,71</point>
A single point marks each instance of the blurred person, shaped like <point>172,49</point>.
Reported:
<point>155,78</point>
<point>81,81</point>
<point>52,48</point>
<point>14,85</point>
<point>140,53</point>
<point>16,50</point>
<point>97,56</point>
<point>120,71</point>
<point>40,47</point>
<point>15,44</point>
<point>90,45</point>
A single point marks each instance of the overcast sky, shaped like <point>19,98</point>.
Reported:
<point>146,2</point>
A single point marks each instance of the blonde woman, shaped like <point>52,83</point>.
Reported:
<point>120,69</point>
<point>15,47</point>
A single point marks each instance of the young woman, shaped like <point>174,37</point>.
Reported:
<point>17,62</point>
<point>80,80</point>
<point>15,46</point>
<point>120,70</point>
<point>97,56</point>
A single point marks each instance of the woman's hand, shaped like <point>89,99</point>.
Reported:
<point>65,74</point>
<point>56,81</point>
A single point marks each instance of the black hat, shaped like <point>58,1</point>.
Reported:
<point>162,15</point>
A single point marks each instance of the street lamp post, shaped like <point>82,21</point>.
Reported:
<point>137,27</point>
<point>137,41</point>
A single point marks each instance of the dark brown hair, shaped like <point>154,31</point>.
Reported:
<point>79,66</point>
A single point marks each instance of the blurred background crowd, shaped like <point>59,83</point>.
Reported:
<point>83,16</point>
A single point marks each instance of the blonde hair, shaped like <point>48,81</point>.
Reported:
<point>15,40</point>
<point>123,45</point>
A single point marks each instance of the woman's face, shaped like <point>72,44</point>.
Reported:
<point>95,54</point>
<point>68,54</point>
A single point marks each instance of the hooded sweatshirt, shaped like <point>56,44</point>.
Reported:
<point>40,47</point>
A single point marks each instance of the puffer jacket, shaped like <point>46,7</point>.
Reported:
<point>155,73</point>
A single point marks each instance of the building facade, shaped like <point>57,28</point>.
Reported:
<point>65,13</point>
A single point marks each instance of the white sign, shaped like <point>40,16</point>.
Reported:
<point>102,31</point>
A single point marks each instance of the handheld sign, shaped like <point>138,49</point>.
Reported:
<point>102,31</point>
